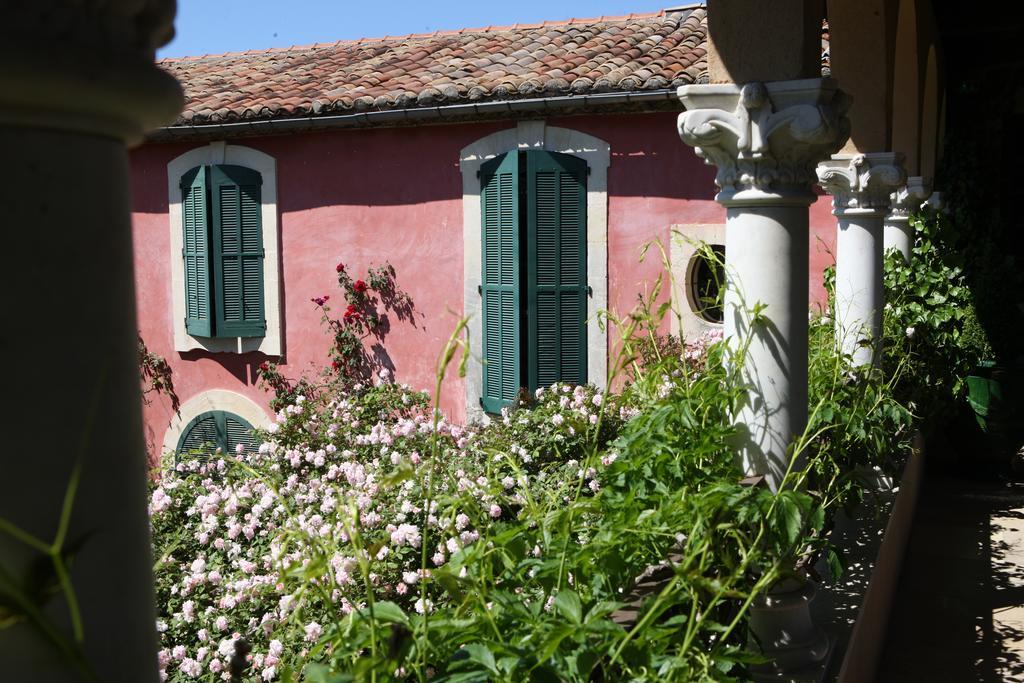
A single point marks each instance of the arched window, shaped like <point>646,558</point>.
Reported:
<point>213,431</point>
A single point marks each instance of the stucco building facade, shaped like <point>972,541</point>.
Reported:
<point>408,192</point>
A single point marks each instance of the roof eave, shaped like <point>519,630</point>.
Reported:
<point>590,103</point>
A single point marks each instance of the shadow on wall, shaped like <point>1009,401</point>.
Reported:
<point>415,165</point>
<point>242,366</point>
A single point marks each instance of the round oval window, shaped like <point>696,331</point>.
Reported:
<point>707,281</point>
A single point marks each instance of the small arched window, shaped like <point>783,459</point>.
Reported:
<point>214,431</point>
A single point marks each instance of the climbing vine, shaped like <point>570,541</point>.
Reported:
<point>155,375</point>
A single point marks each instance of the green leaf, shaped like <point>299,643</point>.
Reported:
<point>450,584</point>
<point>835,564</point>
<point>790,514</point>
<point>568,604</point>
<point>388,612</point>
<point>482,655</point>
<point>401,474</point>
<point>320,673</point>
<point>553,640</point>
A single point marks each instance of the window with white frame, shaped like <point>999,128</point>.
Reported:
<point>529,137</point>
<point>224,250</point>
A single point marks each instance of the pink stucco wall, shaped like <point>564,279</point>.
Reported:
<point>365,196</point>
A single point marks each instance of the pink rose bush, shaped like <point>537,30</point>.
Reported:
<point>343,496</point>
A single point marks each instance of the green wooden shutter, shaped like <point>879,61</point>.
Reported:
<point>239,432</point>
<point>556,277</point>
<point>201,437</point>
<point>216,429</point>
<point>499,196</point>
<point>237,252</point>
<point>196,252</point>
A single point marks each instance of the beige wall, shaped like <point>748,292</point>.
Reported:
<point>768,40</point>
<point>861,48</point>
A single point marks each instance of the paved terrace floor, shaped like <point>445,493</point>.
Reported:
<point>958,614</point>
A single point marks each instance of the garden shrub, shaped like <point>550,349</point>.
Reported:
<point>371,539</point>
<point>930,323</point>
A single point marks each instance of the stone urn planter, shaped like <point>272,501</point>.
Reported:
<point>782,628</point>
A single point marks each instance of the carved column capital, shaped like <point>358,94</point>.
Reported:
<point>862,183</point>
<point>765,138</point>
<point>87,66</point>
<point>909,198</point>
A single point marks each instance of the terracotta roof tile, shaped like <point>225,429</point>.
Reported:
<point>609,54</point>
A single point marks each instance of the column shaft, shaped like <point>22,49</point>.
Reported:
<point>71,307</point>
<point>904,201</point>
<point>859,295</point>
<point>766,263</point>
<point>898,235</point>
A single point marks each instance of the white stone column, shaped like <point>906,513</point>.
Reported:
<point>78,82</point>
<point>903,202</point>
<point>766,139</point>
<point>860,186</point>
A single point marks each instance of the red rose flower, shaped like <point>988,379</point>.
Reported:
<point>351,313</point>
<point>340,268</point>
<point>336,365</point>
<point>359,286</point>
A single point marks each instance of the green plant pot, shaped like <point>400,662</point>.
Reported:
<point>985,395</point>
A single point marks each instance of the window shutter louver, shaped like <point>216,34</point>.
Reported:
<point>556,280</point>
<point>195,251</point>
<point>200,437</point>
<point>216,429</point>
<point>239,432</point>
<point>500,289</point>
<point>237,252</point>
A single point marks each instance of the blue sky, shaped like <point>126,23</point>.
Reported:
<point>211,26</point>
